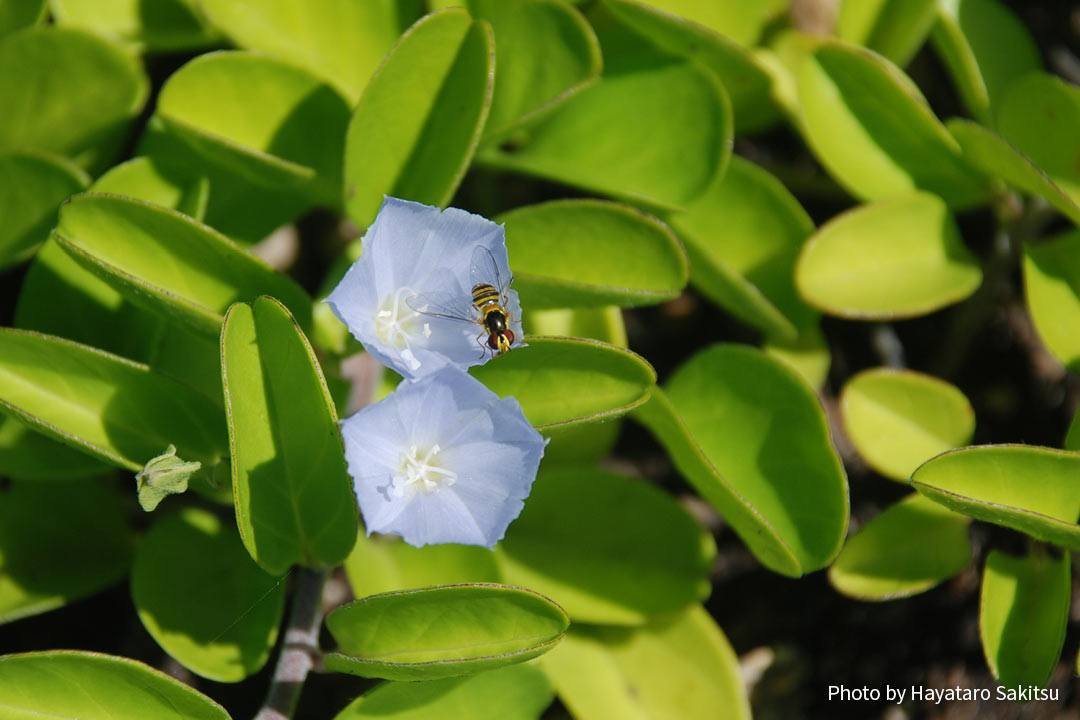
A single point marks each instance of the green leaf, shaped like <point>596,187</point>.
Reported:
<point>554,55</point>
<point>518,692</point>
<point>270,122</point>
<point>29,455</point>
<point>656,129</point>
<point>18,14</point>
<point>67,92</point>
<point>340,40</point>
<point>906,550</point>
<point>678,668</point>
<point>202,598</point>
<point>742,22</point>
<point>872,129</point>
<point>419,120</point>
<point>384,564</point>
<point>1022,616</point>
<point>167,262</point>
<point>743,237</point>
<point>993,155</point>
<point>563,382</point>
<point>899,419</point>
<point>166,25</point>
<point>115,409</point>
<point>1052,282</point>
<point>294,499</point>
<point>155,180</point>
<point>894,28</point>
<point>93,686</point>
<point>162,476</point>
<point>609,549</point>
<point>1039,116</point>
<point>808,355</point>
<point>34,186</point>
<point>58,542</point>
<point>743,76</point>
<point>896,258</point>
<point>1027,488</point>
<point>444,631</point>
<point>985,48</point>
<point>564,255</point>
<point>750,436</point>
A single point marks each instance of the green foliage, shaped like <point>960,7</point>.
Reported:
<point>906,550</point>
<point>735,422</point>
<point>563,249</point>
<point>900,419</point>
<point>678,667</point>
<point>419,120</point>
<point>579,542</point>
<point>445,631</point>
<point>165,25</point>
<point>894,258</point>
<point>1022,617</point>
<point>293,498</point>
<point>518,692</point>
<point>203,599</point>
<point>97,687</point>
<point>895,29</point>
<point>1052,281</point>
<point>59,541</point>
<point>36,183</point>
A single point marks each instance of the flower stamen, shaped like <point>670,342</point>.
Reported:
<point>419,473</point>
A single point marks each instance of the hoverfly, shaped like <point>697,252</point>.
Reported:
<point>486,309</point>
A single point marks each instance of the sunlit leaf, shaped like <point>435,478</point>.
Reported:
<point>381,564</point>
<point>33,188</point>
<point>166,25</point>
<point>894,28</point>
<point>1052,282</point>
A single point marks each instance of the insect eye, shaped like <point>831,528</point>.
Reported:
<point>493,342</point>
<point>509,336</point>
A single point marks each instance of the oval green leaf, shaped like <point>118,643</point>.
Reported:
<point>565,255</point>
<point>165,25</point>
<point>743,236</point>
<point>748,433</point>
<point>1022,615</point>
<point>906,550</point>
<point>555,54</point>
<point>872,129</point>
<point>518,692</point>
<point>18,14</point>
<point>202,598</point>
<point>665,125</point>
<point>1027,488</point>
<point>168,262</point>
<point>985,48</point>
<point>443,631</point>
<point>1052,284</point>
<point>34,186</point>
<point>156,181</point>
<point>340,40</point>
<point>294,499</point>
<point>993,155</point>
<point>678,668</point>
<point>895,258</point>
<point>563,382</point>
<point>899,419</point>
<point>1039,116</point>
<point>58,542</point>
<point>415,129</point>
<point>93,686</point>
<point>385,564</point>
<point>114,409</point>
<point>746,81</point>
<point>67,92</point>
<point>273,123</point>
<point>581,540</point>
<point>743,22</point>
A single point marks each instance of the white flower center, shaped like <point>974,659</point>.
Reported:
<point>420,473</point>
<point>399,325</point>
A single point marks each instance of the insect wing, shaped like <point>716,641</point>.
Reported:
<point>449,306</point>
<point>485,270</point>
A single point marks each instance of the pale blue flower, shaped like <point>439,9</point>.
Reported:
<point>442,459</point>
<point>413,252</point>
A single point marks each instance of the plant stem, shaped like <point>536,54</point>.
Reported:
<point>300,650</point>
